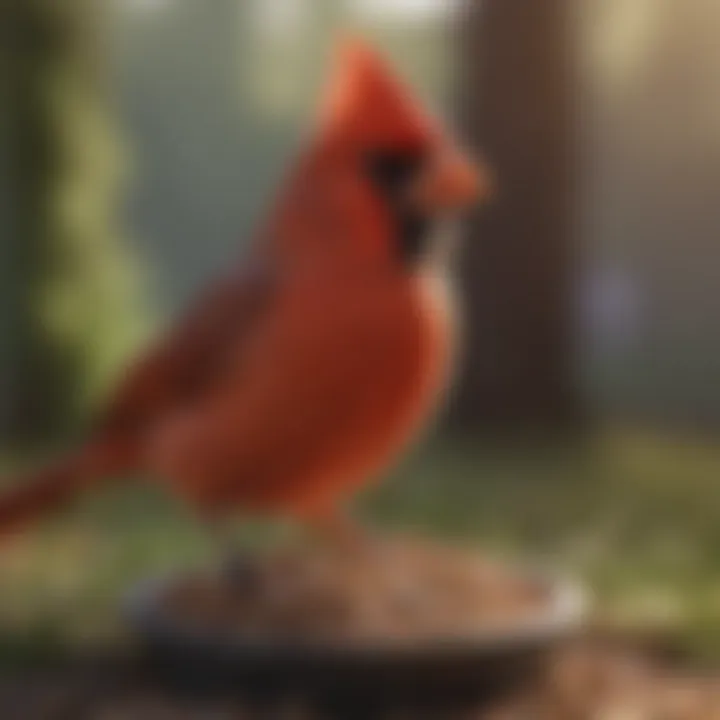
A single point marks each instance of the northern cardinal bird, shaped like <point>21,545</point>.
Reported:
<point>306,370</point>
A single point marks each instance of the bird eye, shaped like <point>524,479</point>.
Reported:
<point>391,171</point>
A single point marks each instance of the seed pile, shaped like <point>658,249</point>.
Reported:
<point>399,590</point>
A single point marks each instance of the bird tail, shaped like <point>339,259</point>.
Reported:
<point>43,492</point>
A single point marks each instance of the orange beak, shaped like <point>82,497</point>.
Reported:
<point>451,182</point>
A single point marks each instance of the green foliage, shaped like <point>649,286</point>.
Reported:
<point>73,291</point>
<point>90,303</point>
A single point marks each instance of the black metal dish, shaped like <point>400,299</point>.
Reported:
<point>478,667</point>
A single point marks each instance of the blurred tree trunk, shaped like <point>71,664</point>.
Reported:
<point>518,111</point>
<point>30,371</point>
<point>62,312</point>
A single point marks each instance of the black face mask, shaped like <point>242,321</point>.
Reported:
<point>392,173</point>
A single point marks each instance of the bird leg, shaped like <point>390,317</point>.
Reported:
<point>238,569</point>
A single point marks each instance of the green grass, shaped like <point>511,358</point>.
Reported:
<point>637,517</point>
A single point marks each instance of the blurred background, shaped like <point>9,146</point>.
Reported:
<point>141,140</point>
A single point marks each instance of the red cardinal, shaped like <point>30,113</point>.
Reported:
<point>306,370</point>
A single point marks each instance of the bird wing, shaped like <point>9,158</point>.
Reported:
<point>181,366</point>
<point>324,390</point>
